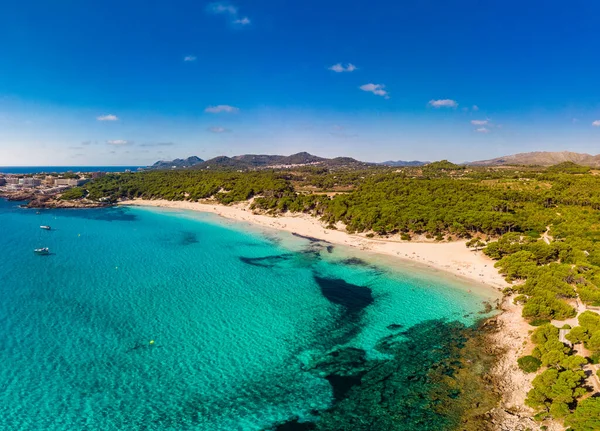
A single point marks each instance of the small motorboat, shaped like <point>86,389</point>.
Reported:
<point>43,250</point>
<point>45,227</point>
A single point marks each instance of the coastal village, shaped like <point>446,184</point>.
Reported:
<point>44,189</point>
<point>43,183</point>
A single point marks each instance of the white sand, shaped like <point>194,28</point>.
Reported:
<point>452,257</point>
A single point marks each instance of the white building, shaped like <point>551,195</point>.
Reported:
<point>68,182</point>
<point>30,182</point>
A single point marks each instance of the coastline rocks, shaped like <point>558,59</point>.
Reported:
<point>53,202</point>
<point>20,195</point>
<point>37,200</point>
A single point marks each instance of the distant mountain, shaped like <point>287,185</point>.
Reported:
<point>302,158</point>
<point>399,163</point>
<point>260,161</point>
<point>222,162</point>
<point>346,161</point>
<point>177,163</point>
<point>542,158</point>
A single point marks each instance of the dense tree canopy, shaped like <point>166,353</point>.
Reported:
<point>586,417</point>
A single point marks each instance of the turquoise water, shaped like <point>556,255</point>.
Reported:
<point>238,317</point>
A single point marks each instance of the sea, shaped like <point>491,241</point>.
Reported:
<point>24,170</point>
<point>156,319</point>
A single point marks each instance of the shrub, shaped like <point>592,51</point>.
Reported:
<point>539,322</point>
<point>529,364</point>
<point>520,299</point>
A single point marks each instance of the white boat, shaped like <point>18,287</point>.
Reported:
<point>45,227</point>
<point>43,250</point>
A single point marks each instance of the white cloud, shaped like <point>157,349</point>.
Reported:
<point>222,8</point>
<point>475,108</point>
<point>158,144</point>
<point>340,68</point>
<point>226,8</point>
<point>243,21</point>
<point>479,122</point>
<point>189,58</point>
<point>482,130</point>
<point>596,123</point>
<point>217,129</point>
<point>118,142</point>
<point>443,103</point>
<point>377,89</point>
<point>222,108</point>
<point>109,117</point>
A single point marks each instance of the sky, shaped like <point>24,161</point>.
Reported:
<point>132,82</point>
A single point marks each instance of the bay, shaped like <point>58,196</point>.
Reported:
<point>148,319</point>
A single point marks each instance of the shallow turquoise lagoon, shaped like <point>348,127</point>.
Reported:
<point>159,320</point>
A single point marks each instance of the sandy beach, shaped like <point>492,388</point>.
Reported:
<point>452,257</point>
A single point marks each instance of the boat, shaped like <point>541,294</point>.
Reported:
<point>45,227</point>
<point>43,250</point>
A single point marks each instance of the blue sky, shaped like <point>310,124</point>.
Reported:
<point>131,82</point>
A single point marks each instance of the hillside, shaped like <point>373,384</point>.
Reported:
<point>258,160</point>
<point>542,158</point>
<point>402,163</point>
<point>177,163</point>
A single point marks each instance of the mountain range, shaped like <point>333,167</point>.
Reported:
<point>258,161</point>
<point>542,158</point>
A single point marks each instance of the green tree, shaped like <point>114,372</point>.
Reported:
<point>577,335</point>
<point>553,390</point>
<point>586,416</point>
